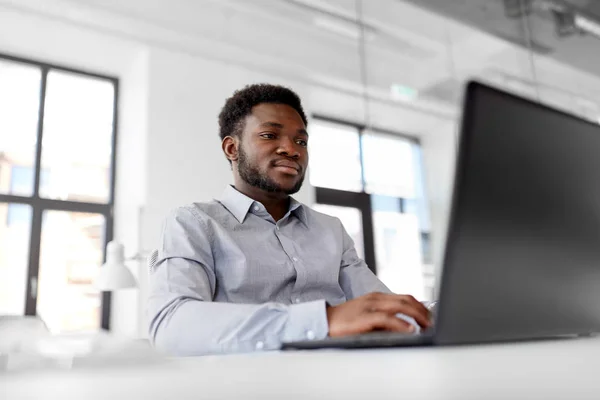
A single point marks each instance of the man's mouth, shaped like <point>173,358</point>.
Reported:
<point>289,167</point>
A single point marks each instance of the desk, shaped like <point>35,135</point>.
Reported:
<point>563,369</point>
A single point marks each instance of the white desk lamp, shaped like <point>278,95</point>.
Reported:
<point>114,274</point>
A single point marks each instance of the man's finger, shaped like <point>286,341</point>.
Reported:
<point>416,303</point>
<point>392,306</point>
<point>401,298</point>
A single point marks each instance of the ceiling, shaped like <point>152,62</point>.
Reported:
<point>417,53</point>
<point>580,52</point>
<point>491,17</point>
<point>433,46</point>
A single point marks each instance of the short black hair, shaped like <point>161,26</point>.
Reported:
<point>239,105</point>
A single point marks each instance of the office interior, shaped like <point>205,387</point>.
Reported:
<point>125,96</point>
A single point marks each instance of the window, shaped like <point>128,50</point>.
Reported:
<point>375,187</point>
<point>57,168</point>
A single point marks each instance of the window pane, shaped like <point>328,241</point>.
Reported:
<point>335,157</point>
<point>77,141</point>
<point>386,203</point>
<point>15,227</point>
<point>19,108</point>
<point>418,204</point>
<point>351,219</point>
<point>398,252</point>
<point>71,254</point>
<point>389,165</point>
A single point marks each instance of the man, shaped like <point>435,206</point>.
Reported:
<point>257,268</point>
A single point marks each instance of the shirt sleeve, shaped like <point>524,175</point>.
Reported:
<point>184,319</point>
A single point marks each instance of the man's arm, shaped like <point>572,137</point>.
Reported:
<point>184,320</point>
<point>356,279</point>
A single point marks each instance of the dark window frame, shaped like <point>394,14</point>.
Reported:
<point>39,204</point>
<point>361,200</point>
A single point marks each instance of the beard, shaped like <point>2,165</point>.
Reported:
<point>252,176</point>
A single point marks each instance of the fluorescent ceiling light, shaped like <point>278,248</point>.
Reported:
<point>344,28</point>
<point>587,24</point>
<point>583,23</point>
<point>570,16</point>
<point>311,3</point>
<point>336,20</point>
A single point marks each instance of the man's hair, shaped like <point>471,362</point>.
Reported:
<point>239,106</point>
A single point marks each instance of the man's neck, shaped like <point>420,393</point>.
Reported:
<point>277,204</point>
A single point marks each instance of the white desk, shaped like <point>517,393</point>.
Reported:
<point>565,369</point>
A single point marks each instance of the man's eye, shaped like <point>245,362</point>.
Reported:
<point>302,143</point>
<point>268,135</point>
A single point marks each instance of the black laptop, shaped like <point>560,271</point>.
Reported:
<point>522,258</point>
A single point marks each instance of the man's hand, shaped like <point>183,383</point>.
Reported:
<point>376,311</point>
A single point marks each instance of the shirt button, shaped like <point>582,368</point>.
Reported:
<point>294,259</point>
<point>310,335</point>
<point>297,300</point>
<point>259,345</point>
<point>256,208</point>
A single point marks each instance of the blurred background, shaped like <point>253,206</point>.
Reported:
<point>108,119</point>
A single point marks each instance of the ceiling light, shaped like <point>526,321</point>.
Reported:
<point>587,25</point>
<point>336,20</point>
<point>568,21</point>
<point>344,28</point>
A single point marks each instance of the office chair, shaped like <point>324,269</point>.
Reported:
<point>151,260</point>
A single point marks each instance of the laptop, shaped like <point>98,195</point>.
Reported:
<point>522,257</point>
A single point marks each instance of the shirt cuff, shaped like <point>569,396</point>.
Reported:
<point>306,321</point>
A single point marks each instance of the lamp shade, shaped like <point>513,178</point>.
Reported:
<point>114,274</point>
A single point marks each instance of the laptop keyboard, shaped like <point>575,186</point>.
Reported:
<point>366,340</point>
<point>378,339</point>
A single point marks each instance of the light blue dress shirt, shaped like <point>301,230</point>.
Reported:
<point>229,278</point>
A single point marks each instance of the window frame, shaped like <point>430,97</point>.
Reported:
<point>39,204</point>
<point>361,200</point>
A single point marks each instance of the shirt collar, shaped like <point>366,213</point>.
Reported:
<point>236,202</point>
<point>299,210</point>
<point>239,205</point>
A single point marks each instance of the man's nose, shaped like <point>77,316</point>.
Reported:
<point>287,148</point>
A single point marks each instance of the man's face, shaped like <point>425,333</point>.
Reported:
<point>272,153</point>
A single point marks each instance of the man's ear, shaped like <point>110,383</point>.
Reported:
<point>230,147</point>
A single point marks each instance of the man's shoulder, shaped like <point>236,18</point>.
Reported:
<point>209,208</point>
<point>321,219</point>
<point>200,210</point>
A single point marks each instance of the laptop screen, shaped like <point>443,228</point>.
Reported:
<point>523,248</point>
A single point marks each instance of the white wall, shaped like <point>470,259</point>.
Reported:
<point>169,152</point>
<point>131,185</point>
